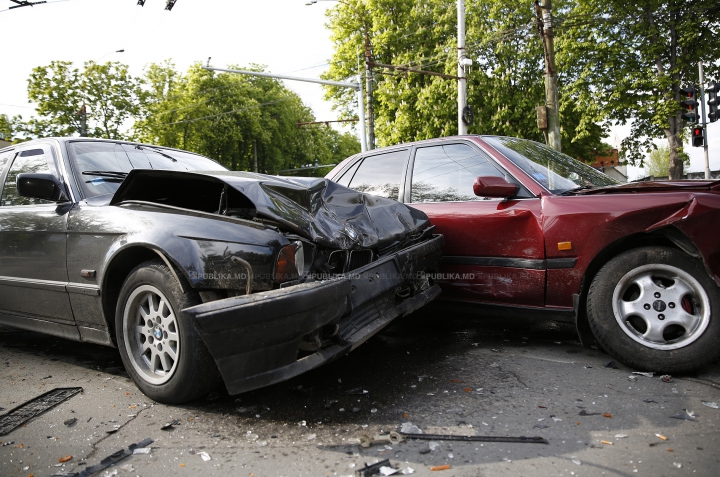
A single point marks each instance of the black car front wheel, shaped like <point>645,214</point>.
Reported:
<point>159,346</point>
<point>652,309</point>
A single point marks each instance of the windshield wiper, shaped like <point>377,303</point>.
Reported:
<point>576,189</point>
<point>159,151</point>
<point>112,174</point>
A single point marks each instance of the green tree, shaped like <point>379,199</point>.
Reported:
<point>627,60</point>
<point>6,128</point>
<point>233,118</point>
<point>505,84</point>
<point>658,161</point>
<point>110,94</point>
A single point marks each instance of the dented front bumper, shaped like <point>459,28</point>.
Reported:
<point>255,339</point>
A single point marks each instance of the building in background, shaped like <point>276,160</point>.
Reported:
<point>610,166</point>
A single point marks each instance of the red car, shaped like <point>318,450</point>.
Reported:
<point>529,230</point>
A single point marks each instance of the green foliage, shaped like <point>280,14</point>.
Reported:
<point>231,117</point>
<point>625,61</point>
<point>505,84</point>
<point>110,94</point>
<point>658,161</point>
<point>6,127</point>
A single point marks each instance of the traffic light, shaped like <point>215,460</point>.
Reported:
<point>698,140</point>
<point>689,101</point>
<point>712,102</point>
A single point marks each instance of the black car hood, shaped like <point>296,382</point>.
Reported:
<point>315,208</point>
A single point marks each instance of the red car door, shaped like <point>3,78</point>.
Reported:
<point>494,249</point>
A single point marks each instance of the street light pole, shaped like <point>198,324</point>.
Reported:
<point>356,86</point>
<point>462,80</point>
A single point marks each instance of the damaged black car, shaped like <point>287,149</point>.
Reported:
<point>196,273</point>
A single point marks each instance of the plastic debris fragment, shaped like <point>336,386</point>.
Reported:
<point>205,456</point>
<point>620,436</point>
<point>410,428</point>
<point>641,373</point>
<point>687,416</point>
<point>713,405</point>
<point>576,461</point>
<point>440,467</point>
<point>666,378</point>
<point>67,458</point>
<point>632,378</point>
<point>142,450</point>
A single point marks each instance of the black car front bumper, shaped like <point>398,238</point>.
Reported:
<point>255,339</point>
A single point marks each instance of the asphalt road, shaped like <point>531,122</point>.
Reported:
<point>444,374</point>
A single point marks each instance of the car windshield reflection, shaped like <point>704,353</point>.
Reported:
<point>553,170</point>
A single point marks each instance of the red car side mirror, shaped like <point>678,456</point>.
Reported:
<point>493,186</point>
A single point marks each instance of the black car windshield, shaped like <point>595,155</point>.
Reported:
<point>102,166</point>
<point>553,170</point>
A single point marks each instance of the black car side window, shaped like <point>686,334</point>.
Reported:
<point>347,177</point>
<point>381,174</point>
<point>446,173</point>
<point>30,160</point>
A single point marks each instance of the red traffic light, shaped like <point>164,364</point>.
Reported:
<point>698,139</point>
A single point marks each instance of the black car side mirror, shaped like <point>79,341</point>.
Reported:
<point>493,186</point>
<point>40,185</point>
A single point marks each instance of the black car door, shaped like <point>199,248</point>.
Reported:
<point>33,272</point>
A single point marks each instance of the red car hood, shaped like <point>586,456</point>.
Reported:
<point>656,186</point>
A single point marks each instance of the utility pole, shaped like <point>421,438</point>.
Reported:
<point>462,80</point>
<point>704,119</point>
<point>369,86</point>
<point>545,26</point>
<point>83,120</point>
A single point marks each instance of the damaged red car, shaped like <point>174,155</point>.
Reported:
<point>531,231</point>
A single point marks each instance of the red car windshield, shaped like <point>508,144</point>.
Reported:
<point>553,170</point>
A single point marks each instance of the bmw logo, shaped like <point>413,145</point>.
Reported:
<point>158,334</point>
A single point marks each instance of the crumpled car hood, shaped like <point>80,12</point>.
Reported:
<point>315,208</point>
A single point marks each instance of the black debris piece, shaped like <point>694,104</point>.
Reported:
<point>70,422</point>
<point>170,425</point>
<point>46,377</point>
<point>356,392</point>
<point>34,407</point>
<point>112,459</point>
<point>585,413</point>
<point>372,469</point>
<point>611,364</point>
<point>540,426</point>
<point>648,401</point>
<point>425,451</point>
<point>449,437</point>
<point>684,416</point>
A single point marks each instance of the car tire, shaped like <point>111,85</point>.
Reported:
<point>651,309</point>
<point>160,347</point>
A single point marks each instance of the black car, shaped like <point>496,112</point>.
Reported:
<point>197,273</point>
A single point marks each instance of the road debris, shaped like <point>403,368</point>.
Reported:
<point>677,464</point>
<point>711,404</point>
<point>648,401</point>
<point>205,456</point>
<point>607,414</point>
<point>357,392</point>
<point>392,438</point>
<point>67,458</point>
<point>410,428</point>
<point>660,436</point>
<point>632,378</point>
<point>587,413</point>
<point>141,450</point>
<point>641,373</point>
<point>666,378</point>
<point>170,425</point>
<point>372,469</point>
<point>620,436</point>
<point>607,443</point>
<point>112,459</point>
<point>576,461</point>
<point>70,422</point>
<point>686,415</point>
<point>440,467</point>
<point>36,406</point>
<point>450,437</point>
